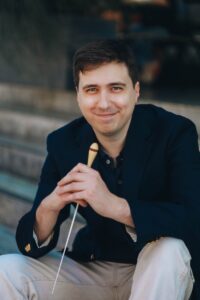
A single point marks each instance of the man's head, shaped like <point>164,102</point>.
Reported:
<point>101,52</point>
<point>107,88</point>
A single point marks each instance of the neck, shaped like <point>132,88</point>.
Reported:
<point>111,145</point>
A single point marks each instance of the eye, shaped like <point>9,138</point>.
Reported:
<point>116,88</point>
<point>91,90</point>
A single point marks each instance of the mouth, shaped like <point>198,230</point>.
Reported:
<point>106,115</point>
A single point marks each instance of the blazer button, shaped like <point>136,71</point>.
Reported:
<point>92,256</point>
<point>28,248</point>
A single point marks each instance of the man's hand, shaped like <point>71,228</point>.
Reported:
<point>85,186</point>
<point>56,201</point>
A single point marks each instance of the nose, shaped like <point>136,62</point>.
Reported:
<point>103,102</point>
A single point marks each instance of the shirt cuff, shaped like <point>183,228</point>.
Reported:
<point>45,243</point>
<point>131,231</point>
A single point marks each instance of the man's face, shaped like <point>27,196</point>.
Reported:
<point>107,97</point>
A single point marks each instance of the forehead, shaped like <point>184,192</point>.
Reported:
<point>105,74</point>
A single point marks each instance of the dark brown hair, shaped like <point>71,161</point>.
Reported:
<point>100,52</point>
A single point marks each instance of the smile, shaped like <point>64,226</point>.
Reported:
<point>108,115</point>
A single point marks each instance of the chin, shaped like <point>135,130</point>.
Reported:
<point>107,133</point>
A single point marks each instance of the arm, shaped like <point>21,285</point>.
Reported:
<point>176,212</point>
<point>45,219</point>
<point>47,214</point>
<point>24,234</point>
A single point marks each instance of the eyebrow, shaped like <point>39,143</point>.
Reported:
<point>96,85</point>
<point>89,86</point>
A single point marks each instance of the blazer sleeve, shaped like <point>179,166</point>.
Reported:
<point>177,216</point>
<point>48,181</point>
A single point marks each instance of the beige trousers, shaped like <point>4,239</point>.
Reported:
<point>162,273</point>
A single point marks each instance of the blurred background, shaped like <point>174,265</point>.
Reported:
<point>37,42</point>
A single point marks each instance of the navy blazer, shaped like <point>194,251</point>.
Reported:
<point>161,171</point>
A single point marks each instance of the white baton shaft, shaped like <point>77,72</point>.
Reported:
<point>91,156</point>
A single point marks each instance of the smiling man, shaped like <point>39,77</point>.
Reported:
<point>140,199</point>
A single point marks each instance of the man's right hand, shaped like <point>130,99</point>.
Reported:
<point>48,211</point>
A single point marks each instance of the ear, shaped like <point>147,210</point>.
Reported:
<point>137,90</point>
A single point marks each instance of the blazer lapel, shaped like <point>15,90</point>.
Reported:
<point>137,149</point>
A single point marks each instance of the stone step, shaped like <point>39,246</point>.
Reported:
<point>12,209</point>
<point>8,243</point>
<point>16,187</point>
<point>16,197</point>
<point>28,126</point>
<point>38,99</point>
<point>22,158</point>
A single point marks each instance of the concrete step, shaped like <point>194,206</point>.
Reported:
<point>12,209</point>
<point>38,99</point>
<point>22,158</point>
<point>16,198</point>
<point>8,243</point>
<point>16,187</point>
<point>27,126</point>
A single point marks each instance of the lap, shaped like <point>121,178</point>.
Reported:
<point>97,279</point>
<point>90,280</point>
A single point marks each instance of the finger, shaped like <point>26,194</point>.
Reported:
<point>70,188</point>
<point>80,168</point>
<point>76,196</point>
<point>72,177</point>
<point>66,200</point>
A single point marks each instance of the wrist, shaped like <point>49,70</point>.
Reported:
<point>45,209</point>
<point>122,212</point>
<point>44,222</point>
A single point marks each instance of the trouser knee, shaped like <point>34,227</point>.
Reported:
<point>167,254</point>
<point>12,267</point>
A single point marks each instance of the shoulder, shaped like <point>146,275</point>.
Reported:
<point>67,132</point>
<point>163,118</point>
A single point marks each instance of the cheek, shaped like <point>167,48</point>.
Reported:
<point>124,103</point>
<point>85,104</point>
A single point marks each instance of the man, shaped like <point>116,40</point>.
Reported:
<point>140,199</point>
